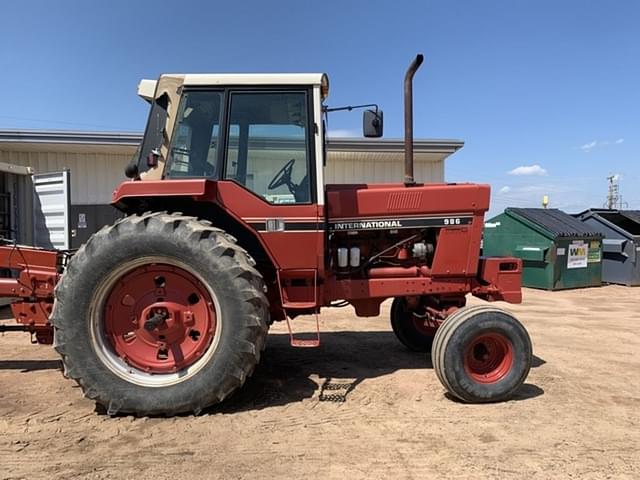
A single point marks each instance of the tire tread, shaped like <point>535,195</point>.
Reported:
<point>248,283</point>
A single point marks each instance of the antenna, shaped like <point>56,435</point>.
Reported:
<point>614,198</point>
<point>613,193</point>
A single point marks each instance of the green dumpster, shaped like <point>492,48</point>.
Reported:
<point>557,250</point>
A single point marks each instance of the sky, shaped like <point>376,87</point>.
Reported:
<point>545,94</point>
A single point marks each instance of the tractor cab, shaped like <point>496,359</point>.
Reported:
<point>262,132</point>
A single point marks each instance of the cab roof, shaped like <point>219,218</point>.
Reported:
<point>254,78</point>
<point>147,88</point>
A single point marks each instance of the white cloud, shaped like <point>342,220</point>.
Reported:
<point>588,146</point>
<point>343,133</point>
<point>505,189</point>
<point>528,170</point>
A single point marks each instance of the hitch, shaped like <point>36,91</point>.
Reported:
<point>38,271</point>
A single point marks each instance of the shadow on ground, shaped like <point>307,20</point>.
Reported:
<point>343,360</point>
<point>6,313</point>
<point>284,376</point>
<point>525,392</point>
<point>25,366</point>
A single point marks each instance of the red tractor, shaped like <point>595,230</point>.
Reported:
<point>230,227</point>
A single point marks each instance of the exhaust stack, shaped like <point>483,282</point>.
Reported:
<point>408,119</point>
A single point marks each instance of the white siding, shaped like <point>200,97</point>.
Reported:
<point>344,167</point>
<point>93,175</point>
<point>380,167</point>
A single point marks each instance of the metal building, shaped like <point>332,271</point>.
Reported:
<point>96,162</point>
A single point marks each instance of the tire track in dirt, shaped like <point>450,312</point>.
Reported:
<point>577,416</point>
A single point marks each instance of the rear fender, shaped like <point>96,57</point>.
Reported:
<point>198,198</point>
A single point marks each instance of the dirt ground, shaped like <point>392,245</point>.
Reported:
<point>360,406</point>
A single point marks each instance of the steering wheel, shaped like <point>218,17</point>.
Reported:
<point>283,177</point>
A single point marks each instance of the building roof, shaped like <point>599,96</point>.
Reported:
<point>70,136</point>
<point>554,221</point>
<point>63,139</point>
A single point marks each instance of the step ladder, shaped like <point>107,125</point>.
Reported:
<point>300,297</point>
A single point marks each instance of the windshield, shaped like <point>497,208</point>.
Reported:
<point>194,146</point>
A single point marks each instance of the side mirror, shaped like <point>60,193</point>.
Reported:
<point>372,123</point>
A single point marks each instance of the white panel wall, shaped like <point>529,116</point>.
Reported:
<point>379,167</point>
<point>93,175</point>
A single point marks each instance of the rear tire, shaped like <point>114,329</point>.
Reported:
<point>410,329</point>
<point>214,327</point>
<point>481,354</point>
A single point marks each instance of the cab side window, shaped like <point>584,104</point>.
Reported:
<point>267,147</point>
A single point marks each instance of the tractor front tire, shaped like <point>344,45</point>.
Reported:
<point>160,314</point>
<point>410,329</point>
<point>481,354</point>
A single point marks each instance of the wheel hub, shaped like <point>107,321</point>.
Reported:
<point>424,325</point>
<point>488,357</point>
<point>159,318</point>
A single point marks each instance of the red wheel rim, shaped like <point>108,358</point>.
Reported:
<point>159,318</point>
<point>488,358</point>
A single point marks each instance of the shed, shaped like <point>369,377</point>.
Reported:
<point>621,243</point>
<point>558,251</point>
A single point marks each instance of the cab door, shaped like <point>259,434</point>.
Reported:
<point>270,172</point>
